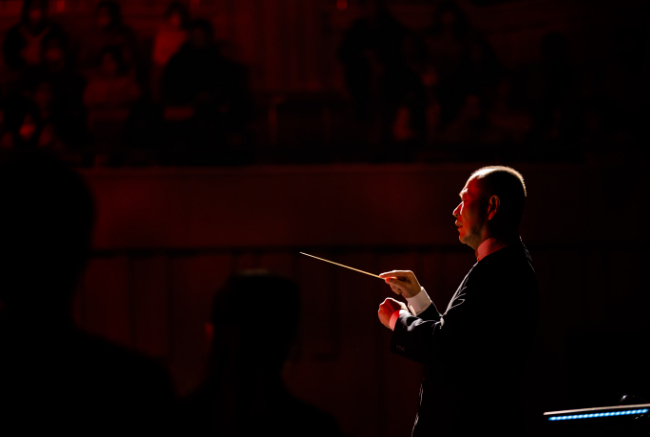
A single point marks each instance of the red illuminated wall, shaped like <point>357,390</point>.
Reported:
<point>167,238</point>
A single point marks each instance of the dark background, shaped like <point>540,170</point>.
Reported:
<point>173,225</point>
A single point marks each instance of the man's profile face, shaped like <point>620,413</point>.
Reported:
<point>471,214</point>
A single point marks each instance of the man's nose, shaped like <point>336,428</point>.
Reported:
<point>456,212</point>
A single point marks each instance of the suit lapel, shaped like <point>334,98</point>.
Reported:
<point>452,301</point>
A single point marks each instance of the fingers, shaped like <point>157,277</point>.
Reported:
<point>387,309</point>
<point>390,305</point>
<point>402,282</point>
<point>395,286</point>
<point>402,275</point>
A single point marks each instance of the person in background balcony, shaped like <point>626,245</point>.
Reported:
<point>22,44</point>
<point>111,86</point>
<point>190,75</point>
<point>171,35</point>
<point>200,77</point>
<point>57,89</point>
<point>372,46</point>
<point>462,61</point>
<point>111,32</point>
<point>25,129</point>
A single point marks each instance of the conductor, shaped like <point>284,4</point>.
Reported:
<point>475,350</point>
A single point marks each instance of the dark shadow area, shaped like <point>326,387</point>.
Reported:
<point>55,378</point>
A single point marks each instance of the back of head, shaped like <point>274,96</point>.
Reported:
<point>260,312</point>
<point>113,10</point>
<point>45,234</point>
<point>177,7</point>
<point>29,5</point>
<point>450,13</point>
<point>508,184</point>
<point>201,33</point>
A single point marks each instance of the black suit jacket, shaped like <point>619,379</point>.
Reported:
<point>475,351</point>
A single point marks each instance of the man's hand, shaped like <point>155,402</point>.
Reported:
<point>402,282</point>
<point>386,310</point>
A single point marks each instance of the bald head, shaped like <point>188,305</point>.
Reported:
<point>508,185</point>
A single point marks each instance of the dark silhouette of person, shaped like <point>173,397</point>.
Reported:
<point>22,46</point>
<point>111,85</point>
<point>216,87</point>
<point>112,31</point>
<point>463,62</point>
<point>243,393</point>
<point>67,89</point>
<point>169,38</point>
<point>189,77</point>
<point>371,45</point>
<point>475,351</point>
<point>171,34</point>
<point>24,126</point>
<point>381,59</point>
<point>56,90</point>
<point>54,378</point>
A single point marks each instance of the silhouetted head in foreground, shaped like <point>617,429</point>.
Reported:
<point>254,322</point>
<point>45,234</point>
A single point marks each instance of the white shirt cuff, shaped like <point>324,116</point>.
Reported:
<point>420,302</point>
<point>394,317</point>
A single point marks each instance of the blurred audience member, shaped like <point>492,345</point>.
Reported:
<point>111,86</point>
<point>406,98</point>
<point>22,46</point>
<point>189,77</point>
<point>25,127</point>
<point>54,90</point>
<point>67,86</point>
<point>472,127</point>
<point>383,64</point>
<point>171,35</point>
<point>504,115</point>
<point>370,47</point>
<point>243,393</point>
<point>54,378</point>
<point>462,62</point>
<point>111,32</point>
<point>216,89</point>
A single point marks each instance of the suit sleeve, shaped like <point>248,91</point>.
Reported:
<point>420,338</point>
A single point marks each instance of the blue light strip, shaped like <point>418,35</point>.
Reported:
<point>595,415</point>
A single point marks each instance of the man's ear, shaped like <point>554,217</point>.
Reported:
<point>493,206</point>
